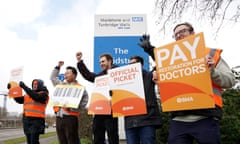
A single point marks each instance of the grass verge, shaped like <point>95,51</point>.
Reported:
<point>23,139</point>
<point>83,141</point>
<point>46,135</point>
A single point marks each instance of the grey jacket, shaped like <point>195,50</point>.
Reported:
<point>222,76</point>
<point>56,81</point>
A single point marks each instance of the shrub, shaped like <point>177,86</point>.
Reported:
<point>85,125</point>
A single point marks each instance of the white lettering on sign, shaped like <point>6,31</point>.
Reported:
<point>184,99</point>
<point>177,53</point>
<point>99,108</point>
<point>125,108</point>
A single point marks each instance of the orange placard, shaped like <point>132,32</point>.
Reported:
<point>100,99</point>
<point>184,78</point>
<point>99,105</point>
<point>15,90</point>
<point>128,97</point>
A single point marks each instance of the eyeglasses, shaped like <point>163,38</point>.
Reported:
<point>180,32</point>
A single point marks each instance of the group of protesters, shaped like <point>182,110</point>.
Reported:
<point>186,126</point>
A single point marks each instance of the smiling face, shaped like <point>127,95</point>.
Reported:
<point>104,63</point>
<point>182,31</point>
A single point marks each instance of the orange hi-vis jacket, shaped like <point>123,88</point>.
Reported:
<point>67,110</point>
<point>217,90</point>
<point>33,108</point>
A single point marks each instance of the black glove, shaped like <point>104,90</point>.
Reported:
<point>24,87</point>
<point>22,84</point>
<point>8,86</point>
<point>110,92</point>
<point>146,45</point>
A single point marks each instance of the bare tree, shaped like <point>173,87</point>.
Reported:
<point>170,12</point>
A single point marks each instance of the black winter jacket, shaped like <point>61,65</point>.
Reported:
<point>90,76</point>
<point>152,118</point>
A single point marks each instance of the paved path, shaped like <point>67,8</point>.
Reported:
<point>48,140</point>
<point>54,138</point>
<point>6,134</point>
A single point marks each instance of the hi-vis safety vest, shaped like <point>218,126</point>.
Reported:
<point>33,108</point>
<point>217,90</point>
<point>67,110</point>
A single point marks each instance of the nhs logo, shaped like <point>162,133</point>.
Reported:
<point>137,19</point>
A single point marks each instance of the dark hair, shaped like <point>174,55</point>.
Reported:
<point>138,59</point>
<point>108,57</point>
<point>73,69</point>
<point>191,29</point>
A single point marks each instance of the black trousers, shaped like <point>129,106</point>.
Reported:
<point>103,123</point>
<point>32,128</point>
<point>67,130</point>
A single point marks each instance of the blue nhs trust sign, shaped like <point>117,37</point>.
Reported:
<point>120,47</point>
<point>137,19</point>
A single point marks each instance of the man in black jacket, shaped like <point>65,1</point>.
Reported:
<point>101,123</point>
<point>142,128</point>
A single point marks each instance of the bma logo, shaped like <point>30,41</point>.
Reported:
<point>137,19</point>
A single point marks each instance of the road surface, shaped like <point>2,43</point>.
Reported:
<point>6,134</point>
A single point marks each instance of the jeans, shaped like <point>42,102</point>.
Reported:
<point>205,131</point>
<point>145,135</point>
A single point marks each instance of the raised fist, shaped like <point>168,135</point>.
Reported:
<point>79,56</point>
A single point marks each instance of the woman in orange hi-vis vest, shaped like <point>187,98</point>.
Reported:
<point>34,105</point>
<point>67,118</point>
<point>201,125</point>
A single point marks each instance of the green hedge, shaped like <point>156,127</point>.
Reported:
<point>85,125</point>
<point>230,124</point>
